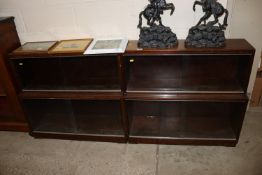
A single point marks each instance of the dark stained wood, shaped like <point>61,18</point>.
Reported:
<point>6,19</point>
<point>14,126</point>
<point>121,69</point>
<point>83,117</point>
<point>187,73</point>
<point>184,141</point>
<point>233,46</point>
<point>74,136</point>
<point>44,55</point>
<point>71,95</point>
<point>183,120</point>
<point>186,96</point>
<point>9,41</point>
<point>93,73</point>
<point>2,92</point>
<point>237,119</point>
<point>6,111</point>
<point>124,118</point>
<point>163,96</point>
<point>191,79</point>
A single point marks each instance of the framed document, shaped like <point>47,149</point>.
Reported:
<point>35,47</point>
<point>71,46</point>
<point>113,45</point>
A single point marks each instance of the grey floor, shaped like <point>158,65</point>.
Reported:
<point>21,154</point>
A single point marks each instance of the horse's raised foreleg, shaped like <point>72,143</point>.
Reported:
<point>197,3</point>
<point>170,6</point>
<point>204,18</point>
<point>225,19</point>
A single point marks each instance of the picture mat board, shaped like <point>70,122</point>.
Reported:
<point>108,45</point>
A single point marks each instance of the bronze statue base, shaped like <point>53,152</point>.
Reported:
<point>157,36</point>
<point>206,36</point>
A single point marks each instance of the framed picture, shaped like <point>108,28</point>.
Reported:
<point>108,45</point>
<point>71,46</point>
<point>35,47</point>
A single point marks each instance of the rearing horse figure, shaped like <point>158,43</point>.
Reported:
<point>153,12</point>
<point>212,7</point>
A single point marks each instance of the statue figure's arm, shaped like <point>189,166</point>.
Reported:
<point>197,3</point>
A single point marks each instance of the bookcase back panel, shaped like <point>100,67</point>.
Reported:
<point>40,74</point>
<point>91,73</point>
<point>74,116</point>
<point>186,73</point>
<point>183,119</point>
<point>77,73</point>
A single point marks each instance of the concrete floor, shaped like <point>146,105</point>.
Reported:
<point>21,154</point>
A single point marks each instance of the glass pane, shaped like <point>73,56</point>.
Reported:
<point>91,73</point>
<point>70,73</point>
<point>98,117</point>
<point>40,74</point>
<point>75,116</point>
<point>186,73</point>
<point>50,115</point>
<point>182,119</point>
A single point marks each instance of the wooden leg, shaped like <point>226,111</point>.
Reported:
<point>257,92</point>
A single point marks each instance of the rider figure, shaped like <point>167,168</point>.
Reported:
<point>158,5</point>
<point>206,5</point>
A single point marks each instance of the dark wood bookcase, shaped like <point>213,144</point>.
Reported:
<point>71,96</point>
<point>170,96</point>
<point>11,114</point>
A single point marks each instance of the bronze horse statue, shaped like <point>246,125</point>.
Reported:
<point>153,11</point>
<point>212,7</point>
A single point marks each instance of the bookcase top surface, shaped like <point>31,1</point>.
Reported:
<point>4,19</point>
<point>233,46</point>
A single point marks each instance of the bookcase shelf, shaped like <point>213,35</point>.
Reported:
<point>92,73</point>
<point>176,120</point>
<point>185,73</point>
<point>83,117</point>
<point>164,96</point>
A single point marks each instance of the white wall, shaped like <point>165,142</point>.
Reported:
<point>41,20</point>
<point>38,20</point>
<point>246,23</point>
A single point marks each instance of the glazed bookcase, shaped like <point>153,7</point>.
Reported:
<point>171,96</point>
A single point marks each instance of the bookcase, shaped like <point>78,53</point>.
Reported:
<point>11,114</point>
<point>187,95</point>
<point>169,96</point>
<point>75,97</point>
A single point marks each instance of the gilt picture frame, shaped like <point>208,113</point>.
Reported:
<point>71,46</point>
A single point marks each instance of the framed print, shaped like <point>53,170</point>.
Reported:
<point>35,47</point>
<point>108,45</point>
<point>71,46</point>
